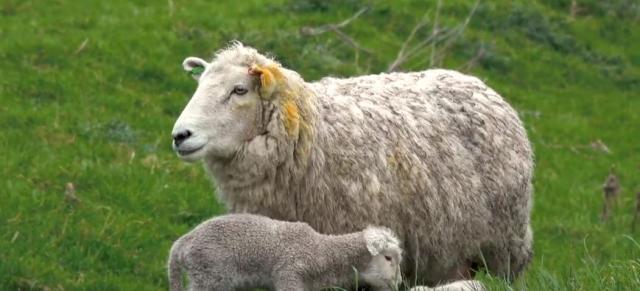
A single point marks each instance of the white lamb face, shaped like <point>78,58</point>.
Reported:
<point>220,116</point>
<point>383,272</point>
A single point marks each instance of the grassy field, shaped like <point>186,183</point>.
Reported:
<point>91,195</point>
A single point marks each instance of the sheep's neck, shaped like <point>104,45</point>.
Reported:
<point>245,181</point>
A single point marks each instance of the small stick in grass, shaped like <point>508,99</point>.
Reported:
<point>70,194</point>
<point>611,189</point>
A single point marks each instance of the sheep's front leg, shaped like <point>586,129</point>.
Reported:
<point>200,280</point>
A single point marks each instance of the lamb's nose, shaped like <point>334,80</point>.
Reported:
<point>180,137</point>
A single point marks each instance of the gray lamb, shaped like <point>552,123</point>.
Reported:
<point>246,251</point>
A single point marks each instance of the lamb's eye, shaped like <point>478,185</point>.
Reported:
<point>388,258</point>
<point>240,90</point>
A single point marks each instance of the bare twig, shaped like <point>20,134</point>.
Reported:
<point>434,32</point>
<point>459,31</point>
<point>351,41</point>
<point>437,34</point>
<point>480,54</point>
<point>312,31</point>
<point>407,51</point>
<point>402,56</point>
<point>443,33</point>
<point>335,28</point>
<point>401,53</point>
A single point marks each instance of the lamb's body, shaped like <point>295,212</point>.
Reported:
<point>247,251</point>
<point>437,156</point>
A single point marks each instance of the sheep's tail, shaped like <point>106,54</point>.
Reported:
<point>174,267</point>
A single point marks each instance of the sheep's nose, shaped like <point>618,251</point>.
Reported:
<point>180,137</point>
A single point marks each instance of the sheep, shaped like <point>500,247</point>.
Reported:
<point>436,156</point>
<point>248,251</point>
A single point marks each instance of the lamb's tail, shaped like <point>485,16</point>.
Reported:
<point>174,267</point>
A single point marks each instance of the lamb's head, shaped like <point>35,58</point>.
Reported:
<point>238,95</point>
<point>383,271</point>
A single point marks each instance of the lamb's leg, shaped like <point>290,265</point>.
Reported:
<point>205,281</point>
<point>209,287</point>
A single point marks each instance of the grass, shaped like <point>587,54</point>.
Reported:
<point>90,91</point>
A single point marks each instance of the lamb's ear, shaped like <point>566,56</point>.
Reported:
<point>375,240</point>
<point>270,76</point>
<point>194,66</point>
<point>379,238</point>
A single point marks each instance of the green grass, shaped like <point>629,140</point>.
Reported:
<point>99,116</point>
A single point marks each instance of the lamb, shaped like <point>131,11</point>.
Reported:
<point>248,251</point>
<point>436,156</point>
<point>463,285</point>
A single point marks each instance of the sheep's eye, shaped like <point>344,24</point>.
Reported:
<point>388,258</point>
<point>240,90</point>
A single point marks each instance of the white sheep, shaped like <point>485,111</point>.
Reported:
<point>463,285</point>
<point>436,156</point>
<point>248,251</point>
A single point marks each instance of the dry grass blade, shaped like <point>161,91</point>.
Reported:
<point>82,46</point>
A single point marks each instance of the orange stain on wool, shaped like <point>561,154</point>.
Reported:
<point>270,76</point>
<point>291,116</point>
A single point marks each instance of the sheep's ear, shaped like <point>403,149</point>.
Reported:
<point>270,76</point>
<point>194,66</point>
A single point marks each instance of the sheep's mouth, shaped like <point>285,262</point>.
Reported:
<point>186,152</point>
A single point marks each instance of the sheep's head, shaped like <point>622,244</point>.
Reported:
<point>238,94</point>
<point>383,271</point>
